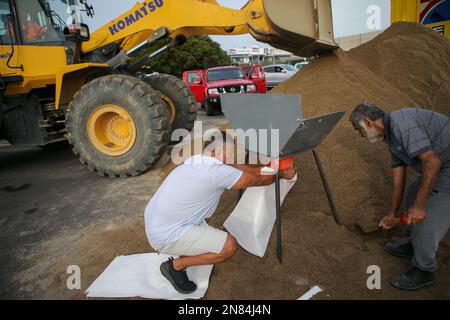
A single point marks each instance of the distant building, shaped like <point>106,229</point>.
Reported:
<point>256,54</point>
<point>350,42</point>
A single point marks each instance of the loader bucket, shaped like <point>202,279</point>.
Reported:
<point>303,27</point>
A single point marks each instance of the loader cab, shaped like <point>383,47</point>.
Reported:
<point>35,43</point>
<point>43,22</point>
<point>34,28</point>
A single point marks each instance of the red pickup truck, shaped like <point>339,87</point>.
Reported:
<point>207,85</point>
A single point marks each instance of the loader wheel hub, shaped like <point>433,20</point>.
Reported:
<point>119,128</point>
<point>111,130</point>
<point>171,106</point>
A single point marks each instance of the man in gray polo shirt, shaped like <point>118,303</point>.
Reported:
<point>419,139</point>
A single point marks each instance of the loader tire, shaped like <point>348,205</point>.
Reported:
<point>178,97</point>
<point>118,126</point>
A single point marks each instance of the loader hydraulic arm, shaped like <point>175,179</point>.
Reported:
<point>302,27</point>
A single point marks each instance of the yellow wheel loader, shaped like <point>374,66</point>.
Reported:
<point>58,81</point>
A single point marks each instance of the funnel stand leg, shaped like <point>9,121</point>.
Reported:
<point>278,223</point>
<point>326,187</point>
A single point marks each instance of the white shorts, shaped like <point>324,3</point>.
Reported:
<point>196,240</point>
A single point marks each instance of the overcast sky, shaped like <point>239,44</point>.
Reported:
<point>349,17</point>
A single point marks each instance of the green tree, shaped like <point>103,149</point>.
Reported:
<point>198,52</point>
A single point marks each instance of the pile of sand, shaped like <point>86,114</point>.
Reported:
<point>406,66</point>
<point>414,59</point>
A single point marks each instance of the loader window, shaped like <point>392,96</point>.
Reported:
<point>34,24</point>
<point>7,31</point>
<point>59,13</point>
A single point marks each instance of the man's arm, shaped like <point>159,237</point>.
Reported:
<point>256,168</point>
<point>398,177</point>
<point>256,179</point>
<point>431,166</point>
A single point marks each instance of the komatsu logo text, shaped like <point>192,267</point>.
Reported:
<point>145,10</point>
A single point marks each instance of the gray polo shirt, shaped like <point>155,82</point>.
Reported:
<point>410,132</point>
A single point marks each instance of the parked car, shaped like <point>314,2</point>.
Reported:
<point>256,74</point>
<point>207,85</point>
<point>277,73</point>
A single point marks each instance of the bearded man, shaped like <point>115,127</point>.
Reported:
<point>419,139</point>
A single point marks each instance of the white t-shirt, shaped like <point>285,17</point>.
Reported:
<point>190,194</point>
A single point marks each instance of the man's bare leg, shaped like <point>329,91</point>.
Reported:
<point>227,252</point>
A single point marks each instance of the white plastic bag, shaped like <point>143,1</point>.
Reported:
<point>139,276</point>
<point>252,221</point>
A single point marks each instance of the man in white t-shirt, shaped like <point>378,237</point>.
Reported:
<point>175,216</point>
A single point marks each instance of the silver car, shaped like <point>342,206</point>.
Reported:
<point>277,73</point>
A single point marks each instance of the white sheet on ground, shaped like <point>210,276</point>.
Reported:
<point>139,276</point>
<point>252,220</point>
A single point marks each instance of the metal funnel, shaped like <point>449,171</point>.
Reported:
<point>276,111</point>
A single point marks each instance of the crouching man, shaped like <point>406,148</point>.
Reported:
<point>420,139</point>
<point>175,216</point>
